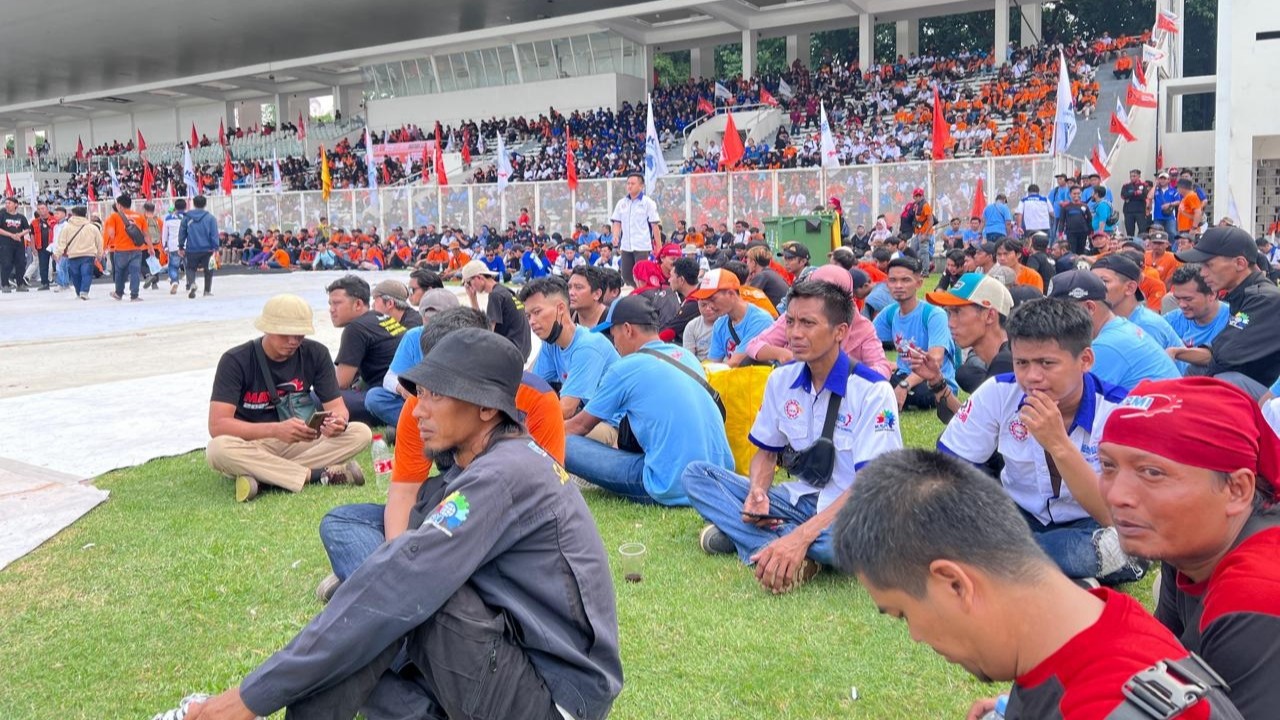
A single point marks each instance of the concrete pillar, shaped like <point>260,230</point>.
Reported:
<point>20,144</point>
<point>337,97</point>
<point>250,112</point>
<point>1032,18</point>
<point>866,40</point>
<point>702,63</point>
<point>908,41</point>
<point>748,53</point>
<point>798,48</point>
<point>1002,32</point>
<point>1233,161</point>
<point>649,55</point>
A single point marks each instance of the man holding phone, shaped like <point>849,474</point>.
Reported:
<point>783,530</point>
<point>254,382</point>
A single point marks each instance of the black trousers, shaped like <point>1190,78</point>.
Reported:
<point>627,260</point>
<point>199,261</point>
<point>13,262</point>
<point>919,396</point>
<point>1134,223</point>
<point>462,664</point>
<point>1078,242</point>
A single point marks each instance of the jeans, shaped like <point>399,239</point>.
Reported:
<point>618,471</point>
<point>356,408</point>
<point>45,256</point>
<point>384,405</point>
<point>175,265</point>
<point>127,265</point>
<point>350,534</point>
<point>80,271</point>
<point>1170,225</point>
<point>718,495</point>
<point>1071,546</point>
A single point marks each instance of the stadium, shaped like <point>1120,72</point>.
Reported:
<point>689,218</point>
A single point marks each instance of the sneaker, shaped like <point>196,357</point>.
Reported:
<point>184,707</point>
<point>84,296</point>
<point>1087,583</point>
<point>116,296</point>
<point>173,288</point>
<point>23,288</point>
<point>348,474</point>
<point>135,299</point>
<point>246,488</point>
<point>1112,558</point>
<point>6,289</point>
<point>207,294</point>
<point>713,541</point>
<point>327,587</point>
<point>191,292</point>
<point>43,287</point>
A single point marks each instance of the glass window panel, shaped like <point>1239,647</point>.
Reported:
<point>457,211</point>
<point>444,65</point>
<point>268,216</point>
<point>488,211</point>
<point>566,65</point>
<point>954,184</point>
<point>547,67</point>
<point>492,68</point>
<point>709,198</point>
<point>555,207</point>
<point>507,65</point>
<point>753,197</point>
<point>592,203</point>
<point>339,210</point>
<point>897,180</point>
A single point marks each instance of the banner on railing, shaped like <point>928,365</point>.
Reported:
<point>403,151</point>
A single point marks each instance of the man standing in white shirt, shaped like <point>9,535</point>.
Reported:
<point>1033,212</point>
<point>635,227</point>
<point>169,238</point>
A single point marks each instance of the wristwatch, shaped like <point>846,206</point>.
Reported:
<point>904,384</point>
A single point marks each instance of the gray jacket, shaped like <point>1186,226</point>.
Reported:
<point>512,526</point>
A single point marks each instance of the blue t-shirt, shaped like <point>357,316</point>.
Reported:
<point>1193,334</point>
<point>971,237</point>
<point>922,328</point>
<point>1125,355</point>
<point>534,265</point>
<point>497,265</point>
<point>723,345</point>
<point>409,352</point>
<point>994,218</point>
<point>1161,198</point>
<point>673,434</point>
<point>579,367</point>
<point>1102,212</point>
<point>1155,326</point>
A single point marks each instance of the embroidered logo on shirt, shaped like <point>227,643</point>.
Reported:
<point>965,409</point>
<point>1239,321</point>
<point>885,421</point>
<point>792,409</point>
<point>1018,430</point>
<point>450,513</point>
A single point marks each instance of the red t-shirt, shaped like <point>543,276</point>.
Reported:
<point>1083,679</point>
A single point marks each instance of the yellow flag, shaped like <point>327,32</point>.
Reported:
<point>326,180</point>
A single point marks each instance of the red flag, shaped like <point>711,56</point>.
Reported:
<point>767,98</point>
<point>169,192</point>
<point>228,174</point>
<point>89,188</point>
<point>195,139</point>
<point>1139,98</point>
<point>1098,159</point>
<point>79,149</point>
<point>31,152</point>
<point>142,144</point>
<point>222,134</point>
<point>302,127</point>
<point>731,150</point>
<point>442,177</point>
<point>386,174</point>
<point>979,201</point>
<point>426,160</point>
<point>1120,123</point>
<point>8,188</point>
<point>1140,72</point>
<point>705,106</point>
<point>941,132</point>
<point>570,165</point>
<point>1167,21</point>
<point>1159,158</point>
<point>466,147</point>
<point>148,179</point>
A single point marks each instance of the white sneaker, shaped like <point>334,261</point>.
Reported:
<point>183,708</point>
<point>1111,557</point>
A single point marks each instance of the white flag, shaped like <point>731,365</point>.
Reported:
<point>723,92</point>
<point>452,145</point>
<point>655,165</point>
<point>371,168</point>
<point>115,181</point>
<point>480,145</point>
<point>785,90</point>
<point>276,183</point>
<point>188,172</point>
<point>1064,127</point>
<point>504,164</point>
<point>827,145</point>
<point>1233,211</point>
<point>1153,54</point>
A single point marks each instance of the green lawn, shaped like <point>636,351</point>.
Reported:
<point>170,587</point>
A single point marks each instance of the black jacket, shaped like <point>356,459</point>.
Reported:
<point>1250,343</point>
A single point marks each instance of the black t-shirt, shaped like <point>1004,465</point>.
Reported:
<point>1043,264</point>
<point>14,223</point>
<point>507,319</point>
<point>238,380</point>
<point>688,311</point>
<point>411,319</point>
<point>771,284</point>
<point>368,343</point>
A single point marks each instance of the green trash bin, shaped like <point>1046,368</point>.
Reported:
<point>813,231</point>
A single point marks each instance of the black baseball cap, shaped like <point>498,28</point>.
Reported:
<point>794,249</point>
<point>1078,285</point>
<point>1221,242</point>
<point>1122,266</point>
<point>635,309</point>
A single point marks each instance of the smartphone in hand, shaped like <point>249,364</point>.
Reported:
<point>318,419</point>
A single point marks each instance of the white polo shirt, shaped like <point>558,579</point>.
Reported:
<point>1035,211</point>
<point>988,423</point>
<point>635,217</point>
<point>793,412</point>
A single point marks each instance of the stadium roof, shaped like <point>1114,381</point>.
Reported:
<point>67,59</point>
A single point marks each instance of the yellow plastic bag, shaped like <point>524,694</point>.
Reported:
<point>741,390</point>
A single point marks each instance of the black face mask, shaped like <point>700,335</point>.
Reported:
<point>554,335</point>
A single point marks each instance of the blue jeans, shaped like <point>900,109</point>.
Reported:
<point>175,264</point>
<point>384,405</point>
<point>1070,545</point>
<point>718,495</point>
<point>80,271</point>
<point>127,265</point>
<point>1170,225</point>
<point>350,534</point>
<point>618,471</point>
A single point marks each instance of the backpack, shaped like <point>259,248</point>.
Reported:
<point>666,302</point>
<point>134,232</point>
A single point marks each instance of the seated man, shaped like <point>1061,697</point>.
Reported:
<point>387,400</point>
<point>822,419</point>
<point>504,315</point>
<point>1123,354</point>
<point>938,546</point>
<point>352,533</point>
<point>860,343</point>
<point>977,308</point>
<point>1121,276</point>
<point>586,296</point>
<point>463,593</point>
<point>369,341</point>
<point>259,435</point>
<point>572,358</point>
<point>670,419</point>
<point>1188,470</point>
<point>739,321</point>
<point>391,298</point>
<point>915,326</point>
<point>1044,421</point>
<point>1199,316</point>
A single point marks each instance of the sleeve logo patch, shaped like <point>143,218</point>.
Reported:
<point>965,409</point>
<point>450,513</point>
<point>885,421</point>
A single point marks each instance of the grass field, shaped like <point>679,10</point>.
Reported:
<point>170,587</point>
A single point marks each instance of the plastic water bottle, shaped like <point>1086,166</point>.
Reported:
<point>1002,704</point>
<point>382,461</point>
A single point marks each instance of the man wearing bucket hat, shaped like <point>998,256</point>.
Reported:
<point>1188,475</point>
<point>260,408</point>
<point>465,594</point>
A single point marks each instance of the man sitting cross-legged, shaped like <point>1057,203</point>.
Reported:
<point>783,530</point>
<point>939,546</point>
<point>258,435</point>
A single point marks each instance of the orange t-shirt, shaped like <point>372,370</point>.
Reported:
<point>114,238</point>
<point>1153,288</point>
<point>438,256</point>
<point>756,297</point>
<point>282,258</point>
<point>543,418</point>
<point>1030,278</point>
<point>1164,267</point>
<point>1187,211</point>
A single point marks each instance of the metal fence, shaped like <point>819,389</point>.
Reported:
<point>865,192</point>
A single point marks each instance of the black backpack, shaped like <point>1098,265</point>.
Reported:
<point>134,232</point>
